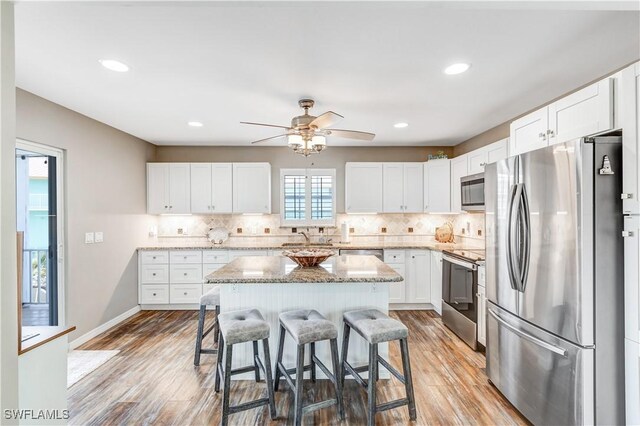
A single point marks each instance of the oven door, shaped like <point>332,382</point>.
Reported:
<point>472,192</point>
<point>459,286</point>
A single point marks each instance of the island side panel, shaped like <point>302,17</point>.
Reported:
<point>330,299</point>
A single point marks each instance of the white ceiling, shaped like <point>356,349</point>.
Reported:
<point>376,64</point>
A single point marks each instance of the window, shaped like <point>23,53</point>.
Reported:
<point>308,197</point>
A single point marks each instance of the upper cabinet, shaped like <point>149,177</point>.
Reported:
<point>402,187</point>
<point>486,155</point>
<point>363,187</point>
<point>211,188</point>
<point>251,188</point>
<point>585,112</point>
<point>629,98</point>
<point>437,186</point>
<point>459,169</point>
<point>168,188</point>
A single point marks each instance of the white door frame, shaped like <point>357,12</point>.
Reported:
<point>61,216</point>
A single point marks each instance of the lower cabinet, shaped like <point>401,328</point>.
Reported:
<point>482,307</point>
<point>415,267</point>
<point>436,281</point>
<point>154,294</point>
<point>397,293</point>
<point>185,293</point>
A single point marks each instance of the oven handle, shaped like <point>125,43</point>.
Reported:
<point>526,336</point>
<point>459,262</point>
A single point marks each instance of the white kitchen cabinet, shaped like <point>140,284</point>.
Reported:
<point>397,291</point>
<point>482,315</point>
<point>233,254</point>
<point>487,154</point>
<point>437,186</point>
<point>436,281</point>
<point>585,112</point>
<point>529,133</point>
<point>418,277</point>
<point>459,169</point>
<point>168,188</point>
<point>632,381</point>
<point>363,187</point>
<point>632,277</point>
<point>629,117</point>
<point>402,190</point>
<point>251,188</point>
<point>211,188</point>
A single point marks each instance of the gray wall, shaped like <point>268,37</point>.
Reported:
<point>105,191</point>
<point>282,157</point>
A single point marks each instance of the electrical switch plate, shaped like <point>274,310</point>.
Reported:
<point>89,238</point>
<point>99,237</point>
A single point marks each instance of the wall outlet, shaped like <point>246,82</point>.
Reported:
<point>99,237</point>
<point>239,231</point>
<point>294,230</point>
<point>352,230</point>
<point>89,238</point>
<point>267,230</point>
<point>410,230</point>
<point>383,230</point>
<point>479,232</point>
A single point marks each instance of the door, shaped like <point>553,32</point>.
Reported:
<point>629,93</point>
<point>251,188</point>
<point>437,186</point>
<point>436,281</point>
<point>499,180</point>
<point>418,266</point>
<point>363,188</point>
<point>157,188</point>
<point>585,112</point>
<point>459,169</point>
<point>477,160</point>
<point>222,187</point>
<point>201,188</point>
<point>497,151</point>
<point>397,290</point>
<point>393,187</point>
<point>413,191</point>
<point>546,378</point>
<point>179,188</point>
<point>529,132</point>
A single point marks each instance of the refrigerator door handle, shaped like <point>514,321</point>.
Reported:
<point>530,338</point>
<point>513,265</point>
<point>524,218</point>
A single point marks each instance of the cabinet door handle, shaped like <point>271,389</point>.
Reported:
<point>166,207</point>
<point>185,293</point>
<point>551,133</point>
<point>154,274</point>
<point>185,274</point>
<point>543,136</point>
<point>213,207</point>
<point>483,164</point>
<point>154,294</point>
<point>627,233</point>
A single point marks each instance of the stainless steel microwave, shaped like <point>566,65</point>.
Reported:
<point>472,192</point>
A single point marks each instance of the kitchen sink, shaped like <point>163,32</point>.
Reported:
<point>307,245</point>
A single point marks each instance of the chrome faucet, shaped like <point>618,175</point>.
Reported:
<point>306,237</point>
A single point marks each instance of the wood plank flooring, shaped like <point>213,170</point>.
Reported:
<point>153,381</point>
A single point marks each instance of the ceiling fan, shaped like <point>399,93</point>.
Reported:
<point>307,133</point>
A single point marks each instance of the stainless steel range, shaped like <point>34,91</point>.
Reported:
<point>459,289</point>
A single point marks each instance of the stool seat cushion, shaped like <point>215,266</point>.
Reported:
<point>375,326</point>
<point>211,298</point>
<point>243,326</point>
<point>307,326</point>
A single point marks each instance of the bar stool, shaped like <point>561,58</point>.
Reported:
<point>376,328</point>
<point>210,298</point>
<point>308,327</point>
<point>240,327</point>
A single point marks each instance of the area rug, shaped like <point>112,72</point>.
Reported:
<point>81,363</point>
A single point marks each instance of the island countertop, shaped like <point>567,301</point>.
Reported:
<point>279,269</point>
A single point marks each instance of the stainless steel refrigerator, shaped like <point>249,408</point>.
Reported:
<point>554,275</point>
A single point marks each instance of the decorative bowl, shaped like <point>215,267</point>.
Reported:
<point>308,257</point>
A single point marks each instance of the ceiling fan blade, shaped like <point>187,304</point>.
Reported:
<point>267,125</point>
<point>271,138</point>
<point>351,134</point>
<point>325,120</point>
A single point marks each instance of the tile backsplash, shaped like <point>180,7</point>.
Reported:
<point>389,225</point>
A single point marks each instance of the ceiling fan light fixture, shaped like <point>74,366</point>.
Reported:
<point>294,141</point>
<point>318,141</point>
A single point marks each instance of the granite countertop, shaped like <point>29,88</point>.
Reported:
<point>400,245</point>
<point>279,269</point>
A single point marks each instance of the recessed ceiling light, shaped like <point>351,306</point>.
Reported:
<point>400,125</point>
<point>456,68</point>
<point>195,124</point>
<point>114,65</point>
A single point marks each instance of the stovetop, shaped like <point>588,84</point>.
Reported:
<point>470,255</point>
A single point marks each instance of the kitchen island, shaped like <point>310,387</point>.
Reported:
<point>275,284</point>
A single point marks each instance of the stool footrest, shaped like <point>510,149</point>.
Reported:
<point>352,371</point>
<point>318,405</point>
<point>324,369</point>
<point>208,351</point>
<point>392,404</point>
<point>391,370</point>
<point>209,329</point>
<point>248,405</point>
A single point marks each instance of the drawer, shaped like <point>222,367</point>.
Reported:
<point>154,294</point>
<point>394,256</point>
<point>185,293</point>
<point>154,257</point>
<point>242,253</point>
<point>186,256</point>
<point>209,268</point>
<point>215,256</point>
<point>185,274</point>
<point>152,274</point>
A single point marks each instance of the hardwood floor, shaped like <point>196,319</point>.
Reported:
<point>153,380</point>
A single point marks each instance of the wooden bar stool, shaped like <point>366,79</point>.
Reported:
<point>210,298</point>
<point>241,327</point>
<point>308,327</point>
<point>376,328</point>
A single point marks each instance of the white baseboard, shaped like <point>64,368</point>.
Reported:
<point>102,328</point>
<point>411,307</point>
<point>174,307</point>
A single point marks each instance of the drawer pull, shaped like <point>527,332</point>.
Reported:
<point>154,274</point>
<point>185,293</point>
<point>185,258</point>
<point>185,274</point>
<point>154,258</point>
<point>154,294</point>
